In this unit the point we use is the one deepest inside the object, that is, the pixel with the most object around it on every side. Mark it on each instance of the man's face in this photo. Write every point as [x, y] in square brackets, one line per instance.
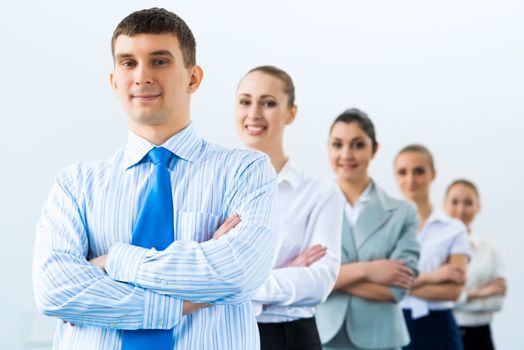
[151, 80]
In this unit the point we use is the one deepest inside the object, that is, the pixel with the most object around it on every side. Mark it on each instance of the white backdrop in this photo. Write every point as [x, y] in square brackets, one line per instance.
[448, 74]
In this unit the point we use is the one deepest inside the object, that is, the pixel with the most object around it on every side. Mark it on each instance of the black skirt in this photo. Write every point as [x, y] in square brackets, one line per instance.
[477, 338]
[295, 335]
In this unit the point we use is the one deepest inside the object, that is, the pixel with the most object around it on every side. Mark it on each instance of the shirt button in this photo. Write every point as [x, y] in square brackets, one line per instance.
[163, 283]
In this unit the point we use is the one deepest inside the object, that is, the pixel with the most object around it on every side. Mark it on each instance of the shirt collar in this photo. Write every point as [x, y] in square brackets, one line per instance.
[365, 196]
[473, 239]
[185, 144]
[290, 174]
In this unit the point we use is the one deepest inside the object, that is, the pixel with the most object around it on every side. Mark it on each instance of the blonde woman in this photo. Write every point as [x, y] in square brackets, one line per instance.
[308, 254]
[485, 286]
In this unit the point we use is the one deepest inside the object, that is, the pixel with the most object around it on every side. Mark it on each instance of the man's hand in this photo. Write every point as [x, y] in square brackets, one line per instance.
[190, 307]
[308, 256]
[227, 226]
[392, 273]
[99, 261]
[449, 273]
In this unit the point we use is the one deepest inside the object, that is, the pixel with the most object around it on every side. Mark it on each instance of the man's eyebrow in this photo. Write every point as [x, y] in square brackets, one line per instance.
[162, 53]
[123, 55]
[154, 53]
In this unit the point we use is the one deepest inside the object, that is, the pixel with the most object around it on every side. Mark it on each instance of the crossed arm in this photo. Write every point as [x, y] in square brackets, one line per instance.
[372, 279]
[446, 283]
[385, 280]
[69, 287]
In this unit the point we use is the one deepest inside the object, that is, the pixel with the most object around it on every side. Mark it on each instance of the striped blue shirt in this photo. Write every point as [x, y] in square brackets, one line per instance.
[90, 212]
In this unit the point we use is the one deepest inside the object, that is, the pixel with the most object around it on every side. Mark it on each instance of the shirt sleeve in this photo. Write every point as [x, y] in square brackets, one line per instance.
[497, 260]
[407, 249]
[460, 244]
[490, 304]
[68, 287]
[227, 270]
[309, 286]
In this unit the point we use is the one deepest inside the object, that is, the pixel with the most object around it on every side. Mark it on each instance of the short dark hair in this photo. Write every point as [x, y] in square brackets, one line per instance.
[158, 21]
[356, 115]
[289, 87]
[464, 182]
[419, 149]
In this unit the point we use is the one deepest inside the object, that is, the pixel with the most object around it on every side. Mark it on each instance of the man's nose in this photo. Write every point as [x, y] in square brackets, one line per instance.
[143, 76]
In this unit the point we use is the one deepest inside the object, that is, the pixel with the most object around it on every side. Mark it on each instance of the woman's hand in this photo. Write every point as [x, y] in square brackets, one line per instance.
[448, 273]
[390, 273]
[308, 256]
[227, 226]
[495, 287]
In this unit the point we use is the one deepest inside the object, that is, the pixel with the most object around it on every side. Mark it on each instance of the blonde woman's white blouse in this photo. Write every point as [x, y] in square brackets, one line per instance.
[485, 266]
[311, 212]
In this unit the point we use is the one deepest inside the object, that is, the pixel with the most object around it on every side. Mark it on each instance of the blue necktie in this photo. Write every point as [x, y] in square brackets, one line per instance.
[154, 229]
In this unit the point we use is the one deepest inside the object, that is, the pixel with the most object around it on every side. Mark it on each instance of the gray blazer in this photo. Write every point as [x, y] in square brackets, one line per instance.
[386, 229]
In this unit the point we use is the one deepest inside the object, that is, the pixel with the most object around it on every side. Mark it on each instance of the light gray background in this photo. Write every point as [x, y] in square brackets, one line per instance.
[448, 74]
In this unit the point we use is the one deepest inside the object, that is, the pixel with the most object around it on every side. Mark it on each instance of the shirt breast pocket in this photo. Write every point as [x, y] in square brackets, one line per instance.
[195, 226]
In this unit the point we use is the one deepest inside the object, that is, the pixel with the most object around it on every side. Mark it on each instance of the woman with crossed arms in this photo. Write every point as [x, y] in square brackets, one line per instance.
[308, 254]
[444, 255]
[379, 248]
[485, 286]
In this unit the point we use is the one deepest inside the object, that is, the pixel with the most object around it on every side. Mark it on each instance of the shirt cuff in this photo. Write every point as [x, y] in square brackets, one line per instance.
[123, 261]
[398, 293]
[161, 311]
[463, 298]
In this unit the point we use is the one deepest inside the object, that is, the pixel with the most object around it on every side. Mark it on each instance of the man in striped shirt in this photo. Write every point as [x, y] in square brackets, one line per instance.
[85, 270]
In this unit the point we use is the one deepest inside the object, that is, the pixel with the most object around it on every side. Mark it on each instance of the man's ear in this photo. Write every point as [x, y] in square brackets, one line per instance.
[197, 74]
[112, 81]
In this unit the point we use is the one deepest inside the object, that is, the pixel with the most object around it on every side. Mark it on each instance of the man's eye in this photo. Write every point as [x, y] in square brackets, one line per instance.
[244, 102]
[128, 63]
[161, 62]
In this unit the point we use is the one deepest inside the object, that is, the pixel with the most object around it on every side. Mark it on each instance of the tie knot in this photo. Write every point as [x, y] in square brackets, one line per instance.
[160, 155]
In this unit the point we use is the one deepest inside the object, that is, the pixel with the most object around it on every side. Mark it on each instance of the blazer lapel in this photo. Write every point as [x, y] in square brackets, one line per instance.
[373, 216]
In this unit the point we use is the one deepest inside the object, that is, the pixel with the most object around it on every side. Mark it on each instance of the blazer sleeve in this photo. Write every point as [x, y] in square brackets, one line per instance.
[407, 248]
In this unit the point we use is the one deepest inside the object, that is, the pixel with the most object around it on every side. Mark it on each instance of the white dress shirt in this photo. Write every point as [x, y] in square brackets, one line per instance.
[90, 212]
[310, 213]
[440, 237]
[484, 267]
[353, 212]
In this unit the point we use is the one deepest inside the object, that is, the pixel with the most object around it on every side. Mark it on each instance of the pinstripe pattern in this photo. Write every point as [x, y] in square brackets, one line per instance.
[90, 212]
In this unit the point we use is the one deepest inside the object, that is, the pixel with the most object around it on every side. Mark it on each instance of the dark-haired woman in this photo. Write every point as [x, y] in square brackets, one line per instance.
[443, 259]
[379, 248]
[308, 253]
[485, 285]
